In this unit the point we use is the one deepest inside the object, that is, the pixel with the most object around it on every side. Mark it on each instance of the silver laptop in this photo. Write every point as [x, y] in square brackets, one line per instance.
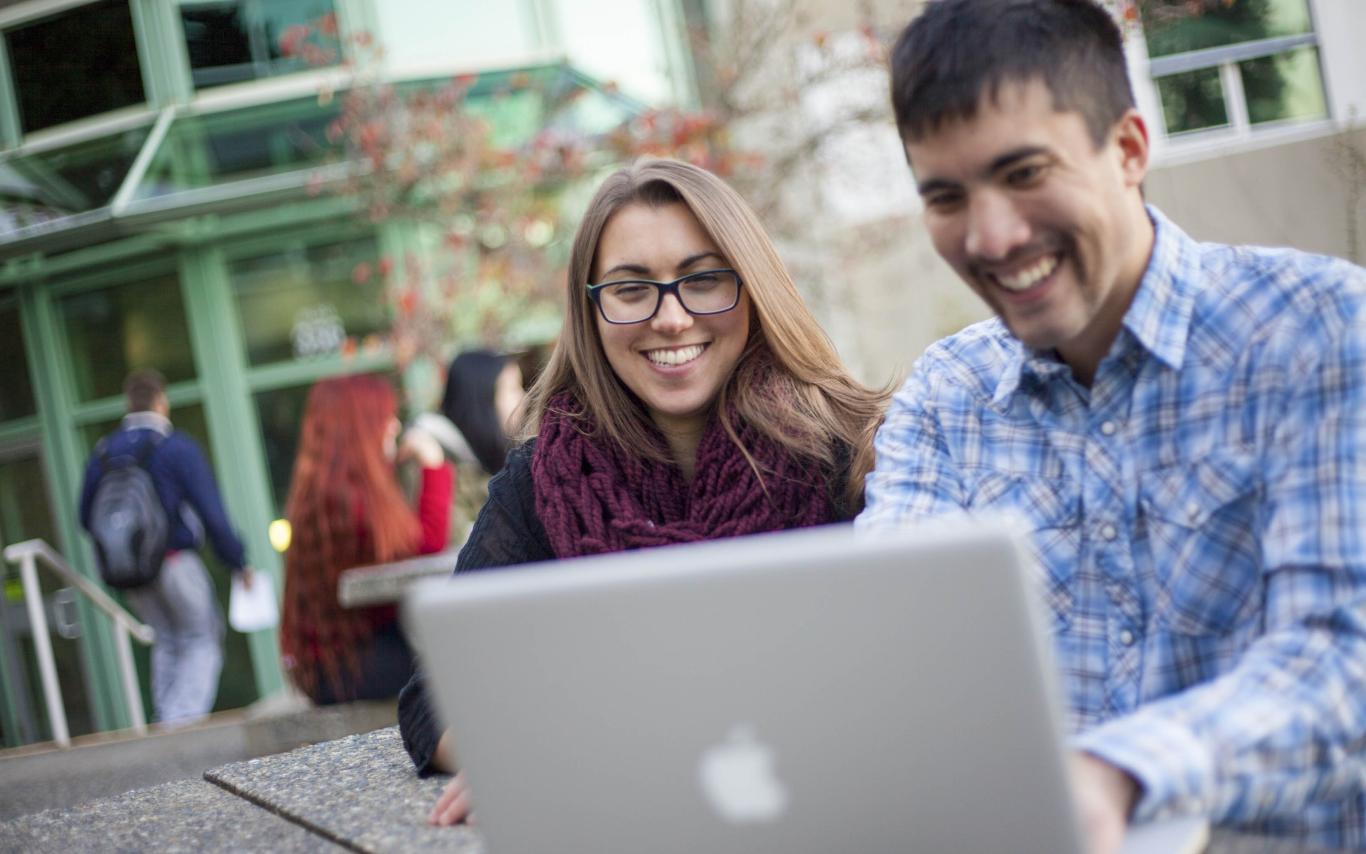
[810, 691]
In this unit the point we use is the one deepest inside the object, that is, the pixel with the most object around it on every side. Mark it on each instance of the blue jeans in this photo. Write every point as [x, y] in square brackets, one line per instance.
[187, 654]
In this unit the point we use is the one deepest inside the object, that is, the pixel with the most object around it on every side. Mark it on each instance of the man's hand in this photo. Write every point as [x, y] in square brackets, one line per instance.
[453, 806]
[247, 577]
[1105, 797]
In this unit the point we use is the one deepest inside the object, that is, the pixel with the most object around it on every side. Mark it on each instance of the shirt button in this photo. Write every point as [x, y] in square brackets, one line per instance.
[1108, 532]
[1126, 637]
[1108, 428]
[1192, 510]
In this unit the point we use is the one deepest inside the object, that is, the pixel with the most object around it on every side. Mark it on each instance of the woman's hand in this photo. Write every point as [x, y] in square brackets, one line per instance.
[418, 444]
[453, 807]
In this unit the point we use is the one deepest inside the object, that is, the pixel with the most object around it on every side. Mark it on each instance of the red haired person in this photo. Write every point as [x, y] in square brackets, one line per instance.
[347, 509]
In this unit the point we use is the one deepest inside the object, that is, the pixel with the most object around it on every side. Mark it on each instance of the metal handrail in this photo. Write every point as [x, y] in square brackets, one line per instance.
[27, 555]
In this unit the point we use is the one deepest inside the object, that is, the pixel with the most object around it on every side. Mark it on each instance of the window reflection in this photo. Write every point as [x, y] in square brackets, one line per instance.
[281, 412]
[48, 185]
[200, 151]
[25, 513]
[1169, 26]
[230, 41]
[310, 301]
[75, 64]
[16, 390]
[114, 331]
[1284, 87]
[1193, 101]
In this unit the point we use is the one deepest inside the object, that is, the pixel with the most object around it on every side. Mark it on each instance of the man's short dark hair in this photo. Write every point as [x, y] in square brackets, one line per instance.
[958, 51]
[142, 388]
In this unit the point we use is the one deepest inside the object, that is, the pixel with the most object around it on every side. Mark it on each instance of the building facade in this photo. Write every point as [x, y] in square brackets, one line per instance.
[159, 165]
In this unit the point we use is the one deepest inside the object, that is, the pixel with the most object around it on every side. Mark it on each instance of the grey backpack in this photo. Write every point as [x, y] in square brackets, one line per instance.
[127, 520]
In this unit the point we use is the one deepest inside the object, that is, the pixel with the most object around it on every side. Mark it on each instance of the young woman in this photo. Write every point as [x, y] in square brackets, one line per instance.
[691, 396]
[346, 509]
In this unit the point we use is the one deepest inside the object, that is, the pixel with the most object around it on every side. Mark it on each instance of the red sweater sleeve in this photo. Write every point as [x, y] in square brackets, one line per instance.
[434, 507]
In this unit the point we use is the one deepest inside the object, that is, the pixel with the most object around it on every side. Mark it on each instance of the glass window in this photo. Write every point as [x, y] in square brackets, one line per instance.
[310, 300]
[281, 412]
[16, 390]
[113, 331]
[75, 64]
[201, 151]
[472, 34]
[52, 184]
[1169, 27]
[1261, 52]
[25, 513]
[1287, 86]
[230, 41]
[1193, 101]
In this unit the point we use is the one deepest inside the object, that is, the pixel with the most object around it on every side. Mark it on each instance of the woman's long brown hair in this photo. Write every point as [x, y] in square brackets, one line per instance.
[789, 383]
[346, 509]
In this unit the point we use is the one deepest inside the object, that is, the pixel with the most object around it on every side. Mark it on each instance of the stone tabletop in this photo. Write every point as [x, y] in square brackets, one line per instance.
[357, 793]
[187, 817]
[360, 790]
[383, 583]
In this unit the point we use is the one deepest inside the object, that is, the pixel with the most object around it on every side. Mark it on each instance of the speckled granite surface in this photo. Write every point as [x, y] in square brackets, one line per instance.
[187, 817]
[43, 777]
[357, 793]
[360, 789]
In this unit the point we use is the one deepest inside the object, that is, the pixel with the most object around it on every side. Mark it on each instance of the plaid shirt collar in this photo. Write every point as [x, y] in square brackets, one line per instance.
[1158, 319]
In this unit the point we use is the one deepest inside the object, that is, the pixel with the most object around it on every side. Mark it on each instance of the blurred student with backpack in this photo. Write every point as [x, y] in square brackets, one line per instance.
[148, 499]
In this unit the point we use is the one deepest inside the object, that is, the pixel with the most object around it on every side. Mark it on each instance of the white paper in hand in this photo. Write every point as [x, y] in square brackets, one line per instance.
[255, 609]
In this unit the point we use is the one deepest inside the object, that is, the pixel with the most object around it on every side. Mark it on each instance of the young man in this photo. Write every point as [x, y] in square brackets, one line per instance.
[1183, 426]
[180, 605]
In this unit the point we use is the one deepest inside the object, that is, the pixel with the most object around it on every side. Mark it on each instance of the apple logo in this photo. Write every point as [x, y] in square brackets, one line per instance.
[737, 778]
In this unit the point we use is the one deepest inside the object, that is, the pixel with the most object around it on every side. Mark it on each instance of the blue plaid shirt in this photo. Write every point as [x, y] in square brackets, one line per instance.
[1199, 519]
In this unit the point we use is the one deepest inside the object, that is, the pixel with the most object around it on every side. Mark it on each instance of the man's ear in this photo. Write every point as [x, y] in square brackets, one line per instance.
[1130, 135]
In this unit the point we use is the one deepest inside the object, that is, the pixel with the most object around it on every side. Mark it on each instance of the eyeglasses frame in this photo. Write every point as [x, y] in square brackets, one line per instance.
[663, 289]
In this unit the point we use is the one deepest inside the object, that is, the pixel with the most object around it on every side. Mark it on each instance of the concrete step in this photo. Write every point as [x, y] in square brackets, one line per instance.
[187, 817]
[42, 777]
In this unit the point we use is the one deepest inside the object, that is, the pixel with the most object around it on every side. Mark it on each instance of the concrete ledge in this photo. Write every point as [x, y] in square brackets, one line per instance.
[42, 777]
[360, 791]
[191, 816]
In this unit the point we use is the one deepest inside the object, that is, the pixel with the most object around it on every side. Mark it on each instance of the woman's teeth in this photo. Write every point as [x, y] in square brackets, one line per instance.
[675, 356]
[1029, 276]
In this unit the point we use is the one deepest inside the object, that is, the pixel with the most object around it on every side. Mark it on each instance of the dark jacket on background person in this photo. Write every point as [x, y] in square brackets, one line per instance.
[183, 480]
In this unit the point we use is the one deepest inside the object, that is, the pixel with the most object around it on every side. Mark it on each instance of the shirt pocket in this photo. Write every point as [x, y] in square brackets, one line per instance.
[1051, 508]
[1201, 527]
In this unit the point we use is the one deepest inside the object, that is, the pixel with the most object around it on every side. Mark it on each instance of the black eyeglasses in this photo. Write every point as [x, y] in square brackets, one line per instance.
[638, 300]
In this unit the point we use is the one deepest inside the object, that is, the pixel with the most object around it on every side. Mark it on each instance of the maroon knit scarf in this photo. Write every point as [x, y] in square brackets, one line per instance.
[592, 496]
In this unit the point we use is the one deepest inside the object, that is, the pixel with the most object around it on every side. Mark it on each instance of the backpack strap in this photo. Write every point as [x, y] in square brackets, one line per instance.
[144, 455]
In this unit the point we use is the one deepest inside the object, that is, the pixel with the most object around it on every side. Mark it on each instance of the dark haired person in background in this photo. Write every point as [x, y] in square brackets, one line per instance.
[1182, 425]
[180, 605]
[482, 400]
